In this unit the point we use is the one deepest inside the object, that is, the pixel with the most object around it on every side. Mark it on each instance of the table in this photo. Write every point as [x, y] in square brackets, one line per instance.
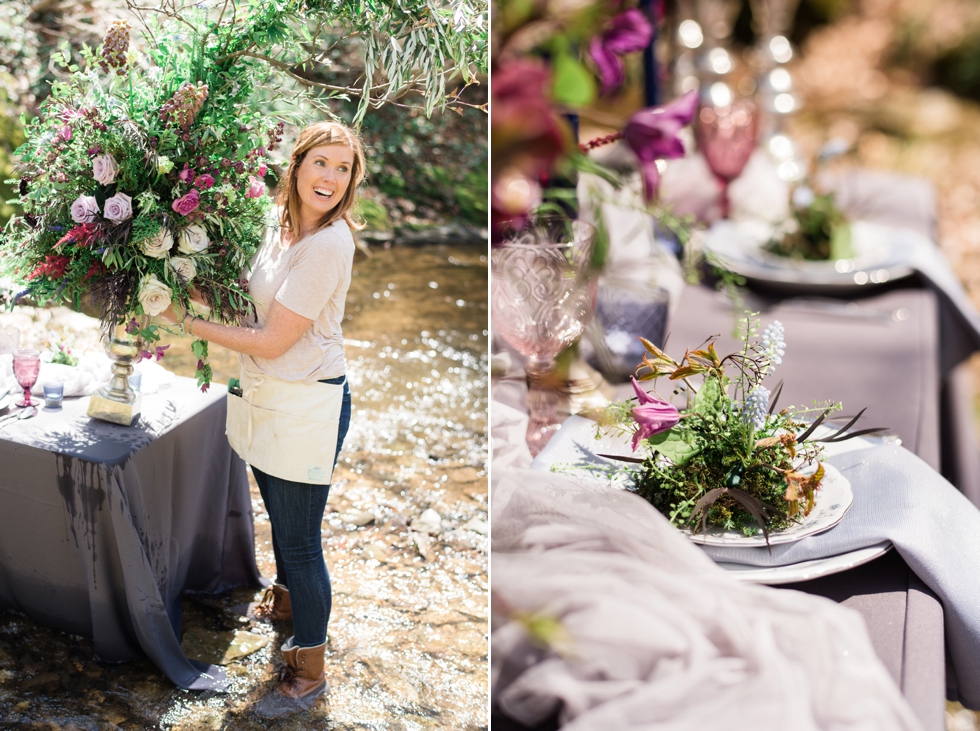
[104, 527]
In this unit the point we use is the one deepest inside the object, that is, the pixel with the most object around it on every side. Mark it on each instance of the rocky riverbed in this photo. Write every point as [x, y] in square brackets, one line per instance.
[405, 536]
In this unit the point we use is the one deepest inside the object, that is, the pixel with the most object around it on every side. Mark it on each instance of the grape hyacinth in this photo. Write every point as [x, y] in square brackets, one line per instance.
[756, 407]
[773, 345]
[114, 47]
[181, 109]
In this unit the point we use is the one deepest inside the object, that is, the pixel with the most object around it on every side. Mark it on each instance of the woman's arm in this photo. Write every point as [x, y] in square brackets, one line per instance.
[282, 329]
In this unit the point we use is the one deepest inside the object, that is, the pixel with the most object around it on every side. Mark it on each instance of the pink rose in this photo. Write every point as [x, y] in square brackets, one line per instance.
[204, 181]
[119, 208]
[104, 169]
[84, 209]
[187, 174]
[262, 170]
[65, 133]
[188, 203]
[256, 187]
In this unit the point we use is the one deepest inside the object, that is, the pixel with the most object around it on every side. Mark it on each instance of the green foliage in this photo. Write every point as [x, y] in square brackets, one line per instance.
[818, 231]
[437, 164]
[726, 462]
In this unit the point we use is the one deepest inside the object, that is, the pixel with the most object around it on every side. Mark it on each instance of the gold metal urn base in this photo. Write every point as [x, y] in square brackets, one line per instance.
[117, 402]
[102, 406]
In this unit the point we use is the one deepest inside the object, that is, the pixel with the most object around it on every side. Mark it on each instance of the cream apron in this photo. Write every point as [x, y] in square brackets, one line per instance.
[285, 428]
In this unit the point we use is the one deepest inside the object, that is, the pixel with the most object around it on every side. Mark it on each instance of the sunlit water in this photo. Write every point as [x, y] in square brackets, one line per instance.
[408, 632]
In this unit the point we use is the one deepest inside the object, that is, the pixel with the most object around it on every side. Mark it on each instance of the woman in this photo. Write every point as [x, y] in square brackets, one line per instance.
[294, 389]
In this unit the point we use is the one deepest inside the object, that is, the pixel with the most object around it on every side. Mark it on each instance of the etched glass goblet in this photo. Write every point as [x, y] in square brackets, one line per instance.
[727, 135]
[543, 288]
[27, 365]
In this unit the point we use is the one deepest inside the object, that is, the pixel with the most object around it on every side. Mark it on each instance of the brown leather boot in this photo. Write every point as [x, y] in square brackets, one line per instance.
[301, 682]
[274, 606]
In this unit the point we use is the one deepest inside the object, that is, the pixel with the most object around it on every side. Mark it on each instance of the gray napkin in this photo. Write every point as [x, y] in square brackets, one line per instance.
[898, 497]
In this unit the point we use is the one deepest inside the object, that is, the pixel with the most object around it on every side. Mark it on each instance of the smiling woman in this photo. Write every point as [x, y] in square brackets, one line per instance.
[291, 413]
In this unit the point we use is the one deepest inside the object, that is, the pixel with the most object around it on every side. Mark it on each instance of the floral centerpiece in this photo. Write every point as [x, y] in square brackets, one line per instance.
[816, 229]
[727, 458]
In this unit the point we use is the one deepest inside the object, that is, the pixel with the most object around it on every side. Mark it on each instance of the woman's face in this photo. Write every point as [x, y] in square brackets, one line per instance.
[322, 179]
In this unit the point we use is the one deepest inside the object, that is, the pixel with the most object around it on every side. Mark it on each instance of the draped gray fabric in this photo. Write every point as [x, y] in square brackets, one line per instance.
[104, 527]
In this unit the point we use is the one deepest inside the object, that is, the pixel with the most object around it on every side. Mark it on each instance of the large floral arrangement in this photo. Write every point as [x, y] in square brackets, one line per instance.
[141, 180]
[727, 458]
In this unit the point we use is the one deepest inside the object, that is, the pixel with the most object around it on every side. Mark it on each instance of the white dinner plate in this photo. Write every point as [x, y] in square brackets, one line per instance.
[5, 400]
[832, 500]
[805, 570]
[882, 254]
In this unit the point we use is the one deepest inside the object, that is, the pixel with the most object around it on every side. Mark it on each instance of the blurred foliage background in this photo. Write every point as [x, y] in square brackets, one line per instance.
[422, 171]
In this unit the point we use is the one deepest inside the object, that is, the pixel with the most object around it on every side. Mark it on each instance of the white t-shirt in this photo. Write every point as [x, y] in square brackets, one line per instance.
[310, 278]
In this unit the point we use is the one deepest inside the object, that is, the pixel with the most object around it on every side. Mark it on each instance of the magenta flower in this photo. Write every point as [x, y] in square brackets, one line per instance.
[187, 204]
[263, 169]
[256, 187]
[64, 134]
[652, 415]
[652, 134]
[630, 31]
[161, 350]
[203, 181]
[187, 174]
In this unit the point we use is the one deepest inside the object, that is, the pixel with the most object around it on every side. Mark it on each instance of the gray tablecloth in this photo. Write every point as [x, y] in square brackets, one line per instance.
[104, 527]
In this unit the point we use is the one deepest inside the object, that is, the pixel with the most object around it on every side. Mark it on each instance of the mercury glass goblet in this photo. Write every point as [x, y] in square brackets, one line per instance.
[542, 293]
[726, 136]
[27, 365]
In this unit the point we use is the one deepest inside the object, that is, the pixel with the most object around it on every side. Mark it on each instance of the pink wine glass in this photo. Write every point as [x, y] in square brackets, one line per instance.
[27, 364]
[727, 136]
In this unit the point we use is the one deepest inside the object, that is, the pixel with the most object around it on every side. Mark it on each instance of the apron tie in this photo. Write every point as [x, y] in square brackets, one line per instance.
[247, 395]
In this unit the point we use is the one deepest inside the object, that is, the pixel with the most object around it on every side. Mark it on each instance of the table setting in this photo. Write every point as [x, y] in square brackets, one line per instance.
[104, 526]
[735, 221]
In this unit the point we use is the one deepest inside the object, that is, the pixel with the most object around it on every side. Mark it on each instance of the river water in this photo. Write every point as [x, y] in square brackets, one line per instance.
[405, 537]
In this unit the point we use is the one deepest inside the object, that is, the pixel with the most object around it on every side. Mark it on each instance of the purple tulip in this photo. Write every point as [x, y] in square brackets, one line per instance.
[630, 31]
[652, 134]
[652, 415]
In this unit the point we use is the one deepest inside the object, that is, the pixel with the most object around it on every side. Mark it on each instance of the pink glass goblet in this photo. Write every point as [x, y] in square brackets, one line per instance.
[543, 287]
[27, 364]
[727, 136]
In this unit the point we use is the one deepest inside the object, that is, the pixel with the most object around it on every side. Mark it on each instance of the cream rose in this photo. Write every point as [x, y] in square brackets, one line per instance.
[184, 267]
[193, 240]
[155, 296]
[158, 245]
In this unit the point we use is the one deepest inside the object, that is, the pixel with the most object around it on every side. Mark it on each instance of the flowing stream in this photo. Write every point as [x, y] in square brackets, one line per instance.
[405, 537]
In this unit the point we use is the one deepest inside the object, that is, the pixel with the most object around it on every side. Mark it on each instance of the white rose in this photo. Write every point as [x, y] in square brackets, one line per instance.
[193, 240]
[184, 267]
[158, 245]
[155, 296]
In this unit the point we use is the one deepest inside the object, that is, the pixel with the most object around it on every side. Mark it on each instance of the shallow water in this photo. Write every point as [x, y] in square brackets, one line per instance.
[408, 632]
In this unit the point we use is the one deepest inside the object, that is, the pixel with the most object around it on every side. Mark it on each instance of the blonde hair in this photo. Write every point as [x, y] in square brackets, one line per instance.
[316, 135]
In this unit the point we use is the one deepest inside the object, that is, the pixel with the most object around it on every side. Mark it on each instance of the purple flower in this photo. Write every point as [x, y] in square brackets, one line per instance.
[187, 174]
[132, 326]
[161, 349]
[104, 169]
[64, 134]
[84, 209]
[187, 204]
[652, 134]
[630, 31]
[145, 355]
[203, 181]
[652, 415]
[119, 208]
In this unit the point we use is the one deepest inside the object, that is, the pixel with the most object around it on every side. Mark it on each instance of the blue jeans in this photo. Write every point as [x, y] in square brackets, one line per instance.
[296, 513]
